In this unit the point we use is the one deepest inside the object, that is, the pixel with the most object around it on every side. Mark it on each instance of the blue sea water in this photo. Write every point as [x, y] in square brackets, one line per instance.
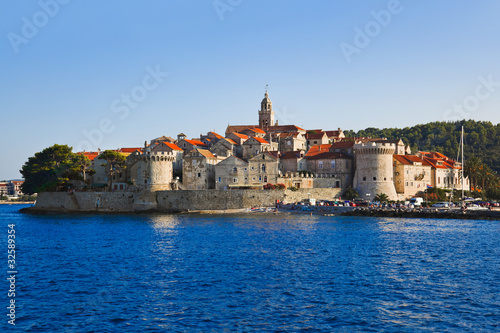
[251, 273]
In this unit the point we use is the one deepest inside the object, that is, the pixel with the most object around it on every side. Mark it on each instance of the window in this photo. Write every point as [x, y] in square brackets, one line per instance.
[439, 180]
[374, 178]
[265, 179]
[219, 179]
[332, 164]
[235, 170]
[364, 178]
[320, 165]
[199, 175]
[235, 180]
[263, 168]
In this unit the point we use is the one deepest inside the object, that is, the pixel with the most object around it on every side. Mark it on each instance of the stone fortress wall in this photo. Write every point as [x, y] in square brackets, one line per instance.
[173, 201]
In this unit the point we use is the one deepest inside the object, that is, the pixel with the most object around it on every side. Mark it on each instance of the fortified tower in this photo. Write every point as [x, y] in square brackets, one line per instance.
[266, 113]
[374, 170]
[152, 171]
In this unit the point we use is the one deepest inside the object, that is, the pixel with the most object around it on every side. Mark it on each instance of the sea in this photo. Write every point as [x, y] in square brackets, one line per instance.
[248, 273]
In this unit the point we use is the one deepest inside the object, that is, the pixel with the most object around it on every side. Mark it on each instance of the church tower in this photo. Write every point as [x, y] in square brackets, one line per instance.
[266, 113]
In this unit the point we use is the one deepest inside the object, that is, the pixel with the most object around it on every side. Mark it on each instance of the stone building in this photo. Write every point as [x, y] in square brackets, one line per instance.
[325, 163]
[251, 132]
[263, 169]
[446, 172]
[411, 175]
[188, 145]
[163, 138]
[316, 138]
[224, 148]
[374, 170]
[198, 170]
[292, 161]
[231, 173]
[293, 141]
[254, 146]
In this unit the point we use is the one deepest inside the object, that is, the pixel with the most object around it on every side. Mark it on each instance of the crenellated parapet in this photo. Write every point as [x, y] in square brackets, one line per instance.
[155, 157]
[375, 148]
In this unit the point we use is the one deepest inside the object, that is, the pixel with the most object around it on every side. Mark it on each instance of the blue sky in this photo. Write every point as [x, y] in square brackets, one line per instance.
[190, 66]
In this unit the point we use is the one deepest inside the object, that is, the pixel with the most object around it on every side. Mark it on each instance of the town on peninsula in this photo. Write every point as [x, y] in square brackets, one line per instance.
[257, 165]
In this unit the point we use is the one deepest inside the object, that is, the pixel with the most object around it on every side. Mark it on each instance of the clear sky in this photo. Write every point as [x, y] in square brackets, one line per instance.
[112, 74]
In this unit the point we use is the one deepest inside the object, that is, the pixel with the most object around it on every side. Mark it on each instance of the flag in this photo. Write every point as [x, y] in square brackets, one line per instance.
[429, 186]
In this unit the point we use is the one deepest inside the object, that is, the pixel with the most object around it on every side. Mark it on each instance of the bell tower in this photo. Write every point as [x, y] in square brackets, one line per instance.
[266, 113]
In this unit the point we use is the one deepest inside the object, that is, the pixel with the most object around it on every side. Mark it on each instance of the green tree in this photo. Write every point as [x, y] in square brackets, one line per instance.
[49, 170]
[84, 163]
[115, 163]
[382, 197]
[350, 193]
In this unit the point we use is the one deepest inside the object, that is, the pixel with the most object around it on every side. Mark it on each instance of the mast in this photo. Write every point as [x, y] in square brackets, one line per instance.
[462, 170]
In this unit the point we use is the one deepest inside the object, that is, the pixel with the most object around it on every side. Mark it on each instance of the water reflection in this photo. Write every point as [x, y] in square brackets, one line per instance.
[165, 223]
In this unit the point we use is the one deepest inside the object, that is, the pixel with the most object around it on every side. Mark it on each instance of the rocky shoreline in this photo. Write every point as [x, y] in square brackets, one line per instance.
[426, 213]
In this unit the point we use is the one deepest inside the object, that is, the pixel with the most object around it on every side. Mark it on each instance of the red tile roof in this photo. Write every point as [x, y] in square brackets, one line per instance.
[196, 143]
[331, 134]
[343, 144]
[409, 159]
[90, 154]
[218, 136]
[206, 153]
[172, 146]
[231, 141]
[257, 130]
[128, 150]
[290, 134]
[315, 136]
[284, 128]
[238, 128]
[241, 136]
[261, 140]
[325, 156]
[319, 149]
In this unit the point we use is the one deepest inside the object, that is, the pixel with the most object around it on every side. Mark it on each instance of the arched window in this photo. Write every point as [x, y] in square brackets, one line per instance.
[263, 168]
[265, 179]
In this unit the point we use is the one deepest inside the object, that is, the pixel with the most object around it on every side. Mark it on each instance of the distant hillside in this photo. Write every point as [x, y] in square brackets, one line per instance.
[482, 139]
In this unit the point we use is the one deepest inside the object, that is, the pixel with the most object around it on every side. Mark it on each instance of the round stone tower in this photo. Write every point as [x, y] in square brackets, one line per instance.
[152, 171]
[374, 170]
[160, 171]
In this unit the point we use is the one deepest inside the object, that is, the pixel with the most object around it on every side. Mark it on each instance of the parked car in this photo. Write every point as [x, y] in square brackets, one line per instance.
[416, 201]
[441, 205]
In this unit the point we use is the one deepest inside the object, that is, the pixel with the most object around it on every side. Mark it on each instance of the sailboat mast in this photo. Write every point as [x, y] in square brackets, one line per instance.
[462, 170]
